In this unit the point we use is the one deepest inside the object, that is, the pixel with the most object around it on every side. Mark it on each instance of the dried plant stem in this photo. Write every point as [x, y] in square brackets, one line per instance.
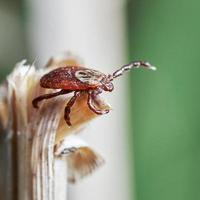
[43, 155]
[36, 157]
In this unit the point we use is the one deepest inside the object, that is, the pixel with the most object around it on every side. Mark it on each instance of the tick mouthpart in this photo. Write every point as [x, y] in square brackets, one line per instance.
[107, 85]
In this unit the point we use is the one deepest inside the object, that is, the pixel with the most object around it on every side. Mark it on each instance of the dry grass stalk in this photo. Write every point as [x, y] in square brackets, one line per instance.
[38, 150]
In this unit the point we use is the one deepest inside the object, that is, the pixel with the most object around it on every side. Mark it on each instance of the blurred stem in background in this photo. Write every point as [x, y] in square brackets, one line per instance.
[165, 104]
[95, 31]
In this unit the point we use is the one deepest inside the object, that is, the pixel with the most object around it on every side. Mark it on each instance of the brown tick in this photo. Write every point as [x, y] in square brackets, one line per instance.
[80, 79]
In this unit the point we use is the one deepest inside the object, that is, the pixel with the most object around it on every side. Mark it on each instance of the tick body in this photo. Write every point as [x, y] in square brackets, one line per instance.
[79, 79]
[73, 78]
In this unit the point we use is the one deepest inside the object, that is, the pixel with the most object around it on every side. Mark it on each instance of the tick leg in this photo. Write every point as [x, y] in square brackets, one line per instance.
[131, 65]
[48, 96]
[68, 107]
[92, 97]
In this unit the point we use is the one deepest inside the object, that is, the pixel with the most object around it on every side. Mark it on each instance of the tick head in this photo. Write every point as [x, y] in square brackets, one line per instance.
[107, 84]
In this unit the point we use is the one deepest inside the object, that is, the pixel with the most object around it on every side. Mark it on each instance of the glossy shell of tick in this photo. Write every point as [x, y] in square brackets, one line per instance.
[72, 78]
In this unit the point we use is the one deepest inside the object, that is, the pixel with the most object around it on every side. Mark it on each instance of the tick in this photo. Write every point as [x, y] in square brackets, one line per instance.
[79, 79]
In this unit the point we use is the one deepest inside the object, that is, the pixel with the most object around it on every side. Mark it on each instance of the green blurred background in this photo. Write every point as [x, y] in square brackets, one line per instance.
[165, 104]
[165, 108]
